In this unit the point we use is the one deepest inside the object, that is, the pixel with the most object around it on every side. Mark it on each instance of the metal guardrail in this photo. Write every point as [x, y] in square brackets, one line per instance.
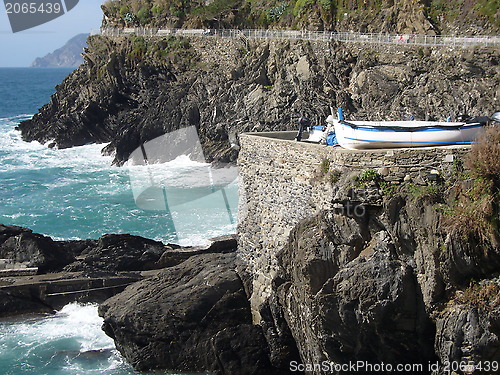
[349, 37]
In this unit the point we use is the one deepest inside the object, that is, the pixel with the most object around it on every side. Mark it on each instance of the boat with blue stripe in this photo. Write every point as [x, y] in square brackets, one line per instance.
[358, 135]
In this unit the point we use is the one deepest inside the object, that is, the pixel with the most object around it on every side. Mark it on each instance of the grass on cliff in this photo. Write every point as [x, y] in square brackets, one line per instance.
[325, 172]
[484, 295]
[175, 50]
[475, 211]
[371, 176]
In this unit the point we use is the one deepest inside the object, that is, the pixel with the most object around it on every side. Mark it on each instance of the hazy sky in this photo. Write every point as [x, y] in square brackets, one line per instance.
[20, 49]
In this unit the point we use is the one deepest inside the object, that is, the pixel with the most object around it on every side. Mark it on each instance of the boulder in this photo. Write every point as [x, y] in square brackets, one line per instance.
[7, 231]
[119, 252]
[190, 317]
[24, 302]
[346, 295]
[468, 335]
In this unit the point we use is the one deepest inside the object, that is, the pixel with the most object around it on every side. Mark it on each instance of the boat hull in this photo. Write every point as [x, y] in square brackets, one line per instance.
[401, 134]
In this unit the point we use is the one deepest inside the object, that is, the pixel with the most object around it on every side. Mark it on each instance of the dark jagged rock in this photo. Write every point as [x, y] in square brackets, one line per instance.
[37, 251]
[468, 335]
[125, 252]
[377, 321]
[78, 247]
[191, 317]
[82, 270]
[7, 231]
[365, 302]
[243, 350]
[119, 252]
[461, 261]
[12, 304]
[109, 254]
[175, 254]
[279, 338]
[371, 288]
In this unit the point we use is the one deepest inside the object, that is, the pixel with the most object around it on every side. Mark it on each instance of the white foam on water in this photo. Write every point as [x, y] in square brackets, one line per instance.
[70, 188]
[86, 158]
[18, 154]
[77, 321]
[17, 118]
[69, 342]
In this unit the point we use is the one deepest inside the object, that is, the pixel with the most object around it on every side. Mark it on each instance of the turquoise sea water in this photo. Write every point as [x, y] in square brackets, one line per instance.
[76, 194]
[70, 342]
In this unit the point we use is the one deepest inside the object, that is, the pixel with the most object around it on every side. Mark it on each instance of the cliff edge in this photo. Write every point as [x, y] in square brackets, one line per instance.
[385, 259]
[131, 90]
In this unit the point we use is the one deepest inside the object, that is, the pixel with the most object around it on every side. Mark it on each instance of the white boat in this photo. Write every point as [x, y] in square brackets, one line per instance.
[357, 135]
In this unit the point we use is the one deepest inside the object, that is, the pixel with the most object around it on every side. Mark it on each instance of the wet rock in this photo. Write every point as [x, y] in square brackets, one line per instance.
[7, 231]
[12, 304]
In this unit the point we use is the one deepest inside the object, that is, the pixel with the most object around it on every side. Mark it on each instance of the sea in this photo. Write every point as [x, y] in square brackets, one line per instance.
[77, 193]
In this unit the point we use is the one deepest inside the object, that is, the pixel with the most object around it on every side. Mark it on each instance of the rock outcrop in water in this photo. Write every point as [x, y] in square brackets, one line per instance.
[191, 317]
[21, 245]
[39, 274]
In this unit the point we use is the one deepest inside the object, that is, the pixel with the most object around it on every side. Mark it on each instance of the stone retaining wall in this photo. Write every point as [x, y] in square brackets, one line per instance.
[283, 182]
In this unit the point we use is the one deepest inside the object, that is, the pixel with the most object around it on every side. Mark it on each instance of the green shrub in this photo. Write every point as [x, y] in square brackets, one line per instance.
[300, 5]
[325, 166]
[124, 10]
[139, 48]
[488, 9]
[275, 13]
[369, 175]
[432, 192]
[144, 16]
[156, 9]
[334, 176]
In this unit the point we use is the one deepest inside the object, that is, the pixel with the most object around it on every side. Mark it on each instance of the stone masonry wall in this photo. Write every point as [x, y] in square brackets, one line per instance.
[281, 183]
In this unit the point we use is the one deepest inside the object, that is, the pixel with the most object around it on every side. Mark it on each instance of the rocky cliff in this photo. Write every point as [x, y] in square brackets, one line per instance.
[369, 260]
[342, 256]
[131, 90]
[407, 16]
[373, 258]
